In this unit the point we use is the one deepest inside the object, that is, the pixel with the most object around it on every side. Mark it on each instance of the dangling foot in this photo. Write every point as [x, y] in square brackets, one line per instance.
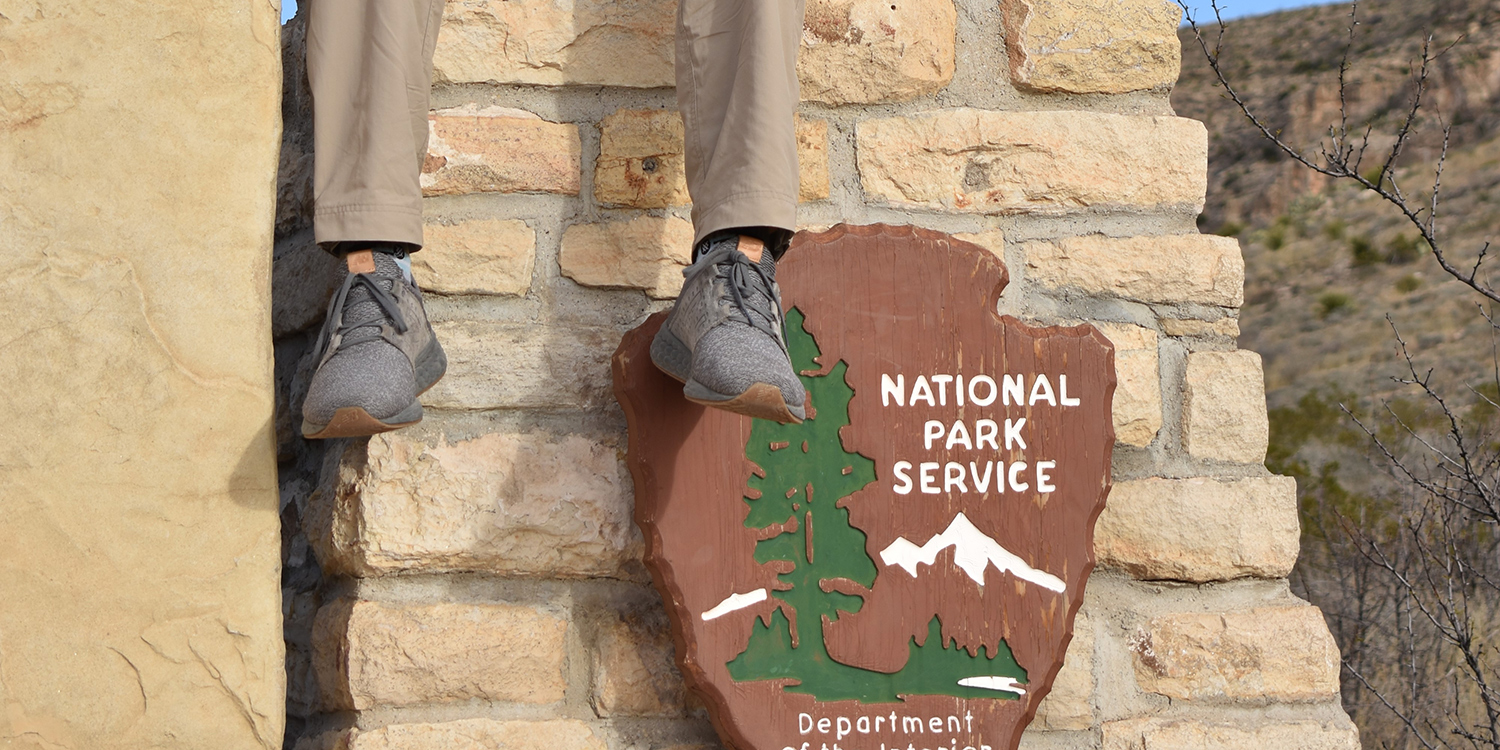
[376, 354]
[724, 339]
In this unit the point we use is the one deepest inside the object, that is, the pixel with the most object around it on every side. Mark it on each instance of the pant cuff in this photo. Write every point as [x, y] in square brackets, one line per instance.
[367, 224]
[754, 209]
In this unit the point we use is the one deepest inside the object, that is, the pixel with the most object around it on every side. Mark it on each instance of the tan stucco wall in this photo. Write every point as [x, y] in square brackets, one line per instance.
[139, 545]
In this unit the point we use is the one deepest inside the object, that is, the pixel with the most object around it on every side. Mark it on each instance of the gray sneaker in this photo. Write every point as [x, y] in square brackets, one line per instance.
[724, 339]
[377, 353]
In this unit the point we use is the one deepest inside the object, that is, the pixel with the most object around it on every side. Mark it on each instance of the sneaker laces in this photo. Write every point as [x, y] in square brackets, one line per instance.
[384, 308]
[747, 279]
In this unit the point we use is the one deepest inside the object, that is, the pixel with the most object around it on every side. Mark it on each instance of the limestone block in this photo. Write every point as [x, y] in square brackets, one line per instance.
[1168, 269]
[866, 51]
[495, 365]
[507, 503]
[634, 674]
[812, 160]
[1186, 734]
[1200, 529]
[1228, 327]
[1048, 163]
[556, 42]
[1268, 653]
[466, 734]
[413, 654]
[642, 253]
[1224, 407]
[992, 240]
[140, 574]
[1137, 405]
[479, 256]
[1070, 705]
[500, 150]
[1092, 46]
[641, 159]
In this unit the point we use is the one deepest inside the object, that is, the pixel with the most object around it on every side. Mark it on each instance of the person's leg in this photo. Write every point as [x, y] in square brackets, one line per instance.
[370, 63]
[737, 90]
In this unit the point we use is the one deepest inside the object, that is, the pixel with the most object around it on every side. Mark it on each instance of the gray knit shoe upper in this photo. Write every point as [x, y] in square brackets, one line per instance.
[377, 352]
[724, 339]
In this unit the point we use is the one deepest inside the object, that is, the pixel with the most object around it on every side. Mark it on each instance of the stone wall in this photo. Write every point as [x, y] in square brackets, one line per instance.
[476, 582]
[139, 603]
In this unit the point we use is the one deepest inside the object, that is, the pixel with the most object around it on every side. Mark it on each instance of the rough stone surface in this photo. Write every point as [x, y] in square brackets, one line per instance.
[1070, 705]
[865, 51]
[551, 367]
[1137, 405]
[554, 42]
[642, 253]
[480, 256]
[411, 654]
[1200, 529]
[641, 163]
[140, 573]
[524, 503]
[1092, 47]
[1167, 734]
[1224, 407]
[1169, 269]
[466, 734]
[1188, 327]
[303, 278]
[634, 674]
[500, 150]
[1269, 653]
[1049, 163]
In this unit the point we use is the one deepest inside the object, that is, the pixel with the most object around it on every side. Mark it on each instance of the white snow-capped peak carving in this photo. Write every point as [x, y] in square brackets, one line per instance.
[973, 551]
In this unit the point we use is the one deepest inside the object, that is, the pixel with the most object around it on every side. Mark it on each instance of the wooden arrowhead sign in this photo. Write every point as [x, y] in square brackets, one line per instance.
[902, 570]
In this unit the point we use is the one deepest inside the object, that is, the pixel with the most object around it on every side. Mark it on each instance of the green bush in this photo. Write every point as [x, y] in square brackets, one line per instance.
[1408, 284]
[1363, 251]
[1334, 230]
[1332, 302]
[1405, 249]
[1230, 229]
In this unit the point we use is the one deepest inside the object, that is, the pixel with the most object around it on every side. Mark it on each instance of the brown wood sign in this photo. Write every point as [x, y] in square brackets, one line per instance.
[901, 570]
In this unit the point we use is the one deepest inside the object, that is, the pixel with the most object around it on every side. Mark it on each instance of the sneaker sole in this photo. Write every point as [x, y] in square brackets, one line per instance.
[761, 401]
[354, 421]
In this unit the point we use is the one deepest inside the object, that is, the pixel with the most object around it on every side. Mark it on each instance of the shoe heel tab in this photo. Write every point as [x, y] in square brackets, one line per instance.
[360, 261]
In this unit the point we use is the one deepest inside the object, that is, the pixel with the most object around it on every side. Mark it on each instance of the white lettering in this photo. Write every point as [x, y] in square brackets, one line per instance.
[1043, 479]
[1015, 484]
[1012, 386]
[804, 723]
[824, 724]
[958, 389]
[942, 382]
[987, 400]
[844, 728]
[1041, 390]
[892, 388]
[953, 476]
[959, 435]
[929, 482]
[921, 390]
[903, 480]
[985, 431]
[1013, 433]
[982, 484]
[1062, 389]
[933, 430]
[863, 725]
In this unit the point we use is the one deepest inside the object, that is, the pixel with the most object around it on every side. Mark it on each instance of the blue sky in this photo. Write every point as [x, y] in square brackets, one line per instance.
[1231, 8]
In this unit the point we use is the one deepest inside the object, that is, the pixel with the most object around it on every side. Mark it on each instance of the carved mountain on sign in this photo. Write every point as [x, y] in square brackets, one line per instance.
[973, 552]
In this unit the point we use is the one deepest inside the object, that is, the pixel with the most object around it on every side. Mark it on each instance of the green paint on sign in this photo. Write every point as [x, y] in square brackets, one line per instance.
[807, 472]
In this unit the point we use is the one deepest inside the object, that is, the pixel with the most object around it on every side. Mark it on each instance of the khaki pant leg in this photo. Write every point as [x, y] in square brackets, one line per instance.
[370, 66]
[738, 93]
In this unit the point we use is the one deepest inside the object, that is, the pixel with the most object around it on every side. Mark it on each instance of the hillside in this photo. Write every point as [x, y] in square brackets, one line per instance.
[1326, 264]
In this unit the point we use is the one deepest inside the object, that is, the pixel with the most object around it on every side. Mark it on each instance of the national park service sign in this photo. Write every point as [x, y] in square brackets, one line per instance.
[900, 571]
